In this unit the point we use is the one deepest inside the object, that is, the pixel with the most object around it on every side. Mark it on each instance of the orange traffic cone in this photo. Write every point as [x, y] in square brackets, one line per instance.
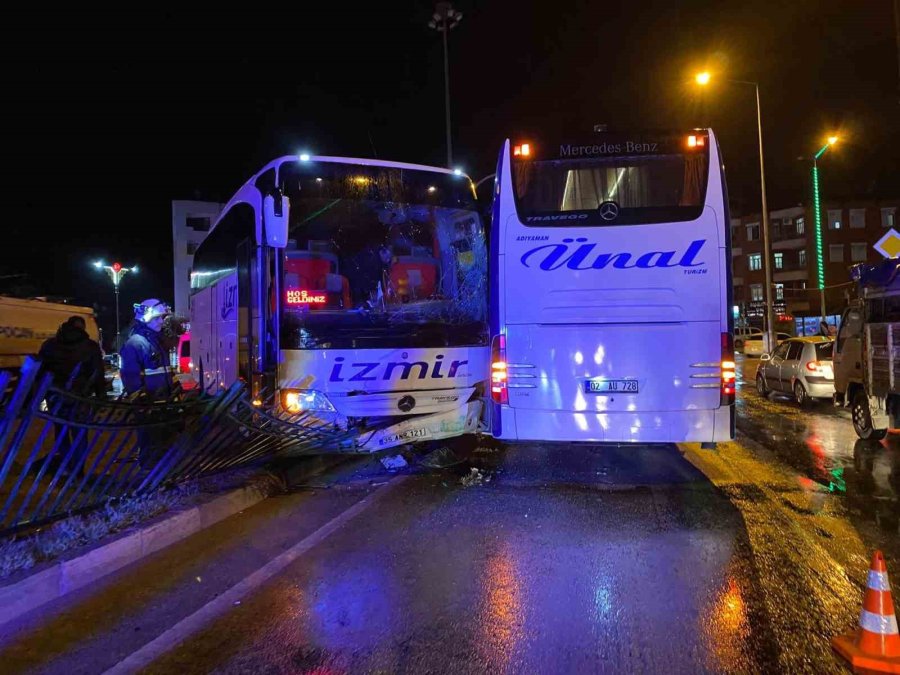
[876, 644]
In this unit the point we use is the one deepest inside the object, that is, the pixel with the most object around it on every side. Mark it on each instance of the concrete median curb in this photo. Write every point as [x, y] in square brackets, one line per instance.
[65, 576]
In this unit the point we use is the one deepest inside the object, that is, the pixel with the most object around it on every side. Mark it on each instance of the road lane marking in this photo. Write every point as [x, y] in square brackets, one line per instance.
[182, 630]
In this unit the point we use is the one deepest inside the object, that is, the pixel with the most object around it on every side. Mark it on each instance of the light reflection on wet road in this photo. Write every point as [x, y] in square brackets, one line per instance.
[818, 442]
[612, 560]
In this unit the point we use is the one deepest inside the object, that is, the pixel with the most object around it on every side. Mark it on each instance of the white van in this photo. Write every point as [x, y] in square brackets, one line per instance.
[743, 334]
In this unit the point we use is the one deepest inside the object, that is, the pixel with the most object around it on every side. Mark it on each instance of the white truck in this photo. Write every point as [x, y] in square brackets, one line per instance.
[867, 351]
[25, 324]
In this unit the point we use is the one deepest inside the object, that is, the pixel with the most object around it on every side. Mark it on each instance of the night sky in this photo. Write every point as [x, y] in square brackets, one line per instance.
[108, 118]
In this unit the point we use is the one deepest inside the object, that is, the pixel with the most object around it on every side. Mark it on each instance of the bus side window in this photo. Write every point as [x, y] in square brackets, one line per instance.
[851, 327]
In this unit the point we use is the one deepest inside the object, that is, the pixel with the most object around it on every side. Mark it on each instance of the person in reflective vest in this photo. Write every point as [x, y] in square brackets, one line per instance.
[145, 360]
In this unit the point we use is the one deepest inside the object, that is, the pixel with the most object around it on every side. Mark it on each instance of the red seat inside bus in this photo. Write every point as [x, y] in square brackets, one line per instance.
[305, 270]
[414, 276]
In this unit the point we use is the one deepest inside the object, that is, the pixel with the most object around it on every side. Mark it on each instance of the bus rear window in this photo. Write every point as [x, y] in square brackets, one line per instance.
[643, 188]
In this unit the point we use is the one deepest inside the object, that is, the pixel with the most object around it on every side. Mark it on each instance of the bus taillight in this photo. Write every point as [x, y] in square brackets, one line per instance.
[522, 150]
[694, 141]
[499, 375]
[729, 376]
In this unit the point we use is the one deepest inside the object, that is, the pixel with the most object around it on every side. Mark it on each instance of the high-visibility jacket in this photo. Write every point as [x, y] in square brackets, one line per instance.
[145, 363]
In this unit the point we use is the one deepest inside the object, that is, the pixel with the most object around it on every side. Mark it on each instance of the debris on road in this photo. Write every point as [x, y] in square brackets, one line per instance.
[475, 477]
[441, 458]
[394, 463]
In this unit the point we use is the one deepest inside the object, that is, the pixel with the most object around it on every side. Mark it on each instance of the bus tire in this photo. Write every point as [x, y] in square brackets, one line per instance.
[862, 419]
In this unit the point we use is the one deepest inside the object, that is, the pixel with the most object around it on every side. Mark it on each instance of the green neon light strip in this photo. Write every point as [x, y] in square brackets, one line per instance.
[820, 261]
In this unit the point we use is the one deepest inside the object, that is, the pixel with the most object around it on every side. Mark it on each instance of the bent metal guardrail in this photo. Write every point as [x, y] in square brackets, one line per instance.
[61, 453]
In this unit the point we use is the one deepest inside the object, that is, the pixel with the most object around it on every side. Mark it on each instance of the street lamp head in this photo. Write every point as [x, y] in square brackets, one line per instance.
[702, 78]
[98, 264]
[832, 140]
[457, 172]
[134, 269]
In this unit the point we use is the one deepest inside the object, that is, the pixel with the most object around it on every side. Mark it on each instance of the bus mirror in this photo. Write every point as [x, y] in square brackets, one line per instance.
[276, 212]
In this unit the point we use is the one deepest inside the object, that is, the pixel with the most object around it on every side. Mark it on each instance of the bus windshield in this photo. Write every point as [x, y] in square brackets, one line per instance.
[661, 185]
[381, 257]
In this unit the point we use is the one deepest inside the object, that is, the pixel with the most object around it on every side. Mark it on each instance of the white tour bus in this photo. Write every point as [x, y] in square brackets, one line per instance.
[356, 289]
[611, 286]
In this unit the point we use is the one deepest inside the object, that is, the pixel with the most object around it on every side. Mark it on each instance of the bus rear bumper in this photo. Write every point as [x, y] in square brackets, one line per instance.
[684, 426]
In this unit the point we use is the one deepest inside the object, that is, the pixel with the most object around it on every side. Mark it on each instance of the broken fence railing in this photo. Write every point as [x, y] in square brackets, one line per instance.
[61, 453]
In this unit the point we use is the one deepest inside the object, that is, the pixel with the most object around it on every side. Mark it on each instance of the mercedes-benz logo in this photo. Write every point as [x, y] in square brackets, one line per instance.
[609, 210]
[406, 403]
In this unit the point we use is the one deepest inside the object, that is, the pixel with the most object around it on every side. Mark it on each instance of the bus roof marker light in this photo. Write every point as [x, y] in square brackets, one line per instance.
[304, 156]
[522, 150]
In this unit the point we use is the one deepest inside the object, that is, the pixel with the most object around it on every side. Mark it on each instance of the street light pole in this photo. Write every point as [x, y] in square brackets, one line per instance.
[704, 79]
[817, 205]
[820, 262]
[115, 272]
[444, 19]
[767, 249]
[447, 98]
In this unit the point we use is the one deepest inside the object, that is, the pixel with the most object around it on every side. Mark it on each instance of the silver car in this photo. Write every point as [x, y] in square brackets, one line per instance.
[800, 367]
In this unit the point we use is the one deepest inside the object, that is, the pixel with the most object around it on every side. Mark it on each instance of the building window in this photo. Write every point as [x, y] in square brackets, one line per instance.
[753, 232]
[779, 261]
[801, 257]
[779, 291]
[756, 292]
[889, 217]
[198, 224]
[836, 252]
[800, 224]
[857, 218]
[754, 262]
[834, 219]
[859, 251]
[734, 232]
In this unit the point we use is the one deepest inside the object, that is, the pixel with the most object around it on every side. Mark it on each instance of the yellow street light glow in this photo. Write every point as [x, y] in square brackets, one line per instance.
[702, 78]
[832, 140]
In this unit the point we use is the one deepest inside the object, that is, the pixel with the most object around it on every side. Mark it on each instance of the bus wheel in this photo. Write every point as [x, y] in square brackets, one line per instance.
[862, 420]
[761, 386]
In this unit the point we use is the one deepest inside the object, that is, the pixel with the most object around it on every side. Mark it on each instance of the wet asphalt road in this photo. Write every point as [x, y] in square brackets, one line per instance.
[557, 560]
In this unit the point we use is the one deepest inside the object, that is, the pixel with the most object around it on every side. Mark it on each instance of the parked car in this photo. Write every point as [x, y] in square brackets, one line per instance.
[756, 346]
[801, 367]
[742, 334]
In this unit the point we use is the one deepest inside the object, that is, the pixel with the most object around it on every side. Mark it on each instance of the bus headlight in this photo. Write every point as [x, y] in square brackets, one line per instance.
[305, 400]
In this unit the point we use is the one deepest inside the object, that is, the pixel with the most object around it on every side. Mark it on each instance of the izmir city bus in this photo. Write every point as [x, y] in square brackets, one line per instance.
[610, 313]
[356, 289]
